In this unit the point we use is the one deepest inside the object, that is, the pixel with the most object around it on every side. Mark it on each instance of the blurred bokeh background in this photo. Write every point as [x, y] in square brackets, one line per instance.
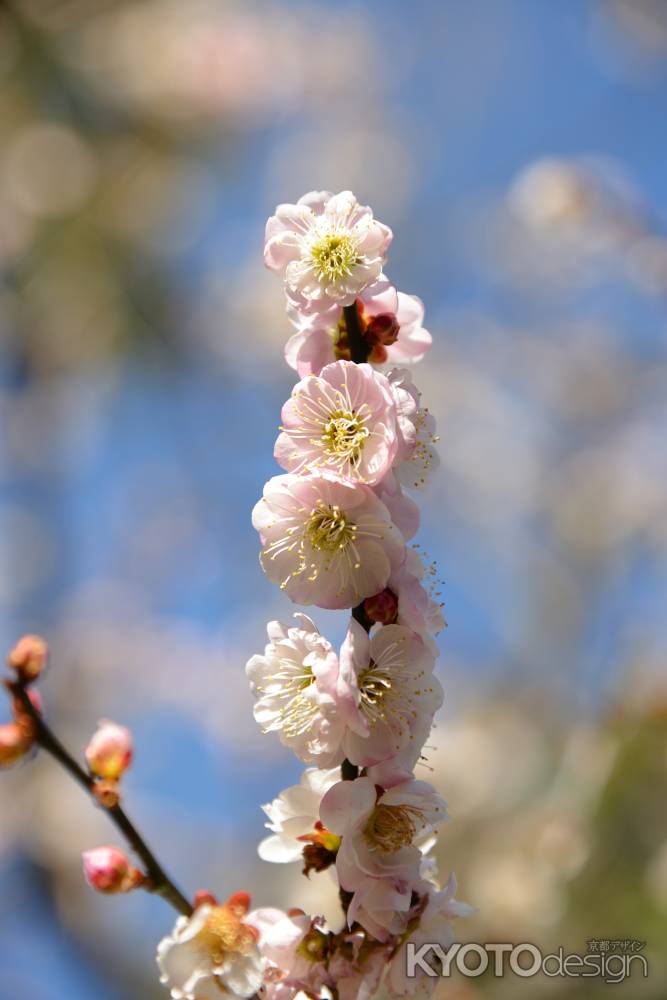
[517, 149]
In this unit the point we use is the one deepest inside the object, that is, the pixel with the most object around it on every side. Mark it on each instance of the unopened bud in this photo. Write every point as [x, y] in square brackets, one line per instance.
[382, 607]
[28, 657]
[382, 329]
[202, 897]
[109, 753]
[239, 904]
[14, 743]
[108, 870]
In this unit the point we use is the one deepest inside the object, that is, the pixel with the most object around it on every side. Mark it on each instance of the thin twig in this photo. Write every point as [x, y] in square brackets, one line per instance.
[158, 880]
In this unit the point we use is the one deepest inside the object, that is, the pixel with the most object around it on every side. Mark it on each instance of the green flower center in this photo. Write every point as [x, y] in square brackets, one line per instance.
[344, 435]
[334, 256]
[328, 529]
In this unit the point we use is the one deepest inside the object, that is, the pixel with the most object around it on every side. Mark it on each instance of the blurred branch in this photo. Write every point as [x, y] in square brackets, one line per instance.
[158, 880]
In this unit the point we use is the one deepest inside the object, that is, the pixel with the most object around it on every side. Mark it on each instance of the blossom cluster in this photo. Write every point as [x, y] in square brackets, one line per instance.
[334, 531]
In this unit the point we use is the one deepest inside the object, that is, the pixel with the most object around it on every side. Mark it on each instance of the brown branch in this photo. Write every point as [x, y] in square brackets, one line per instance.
[359, 346]
[158, 880]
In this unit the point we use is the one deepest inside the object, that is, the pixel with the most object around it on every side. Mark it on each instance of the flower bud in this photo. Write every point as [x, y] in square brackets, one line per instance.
[382, 607]
[109, 753]
[108, 870]
[203, 897]
[14, 743]
[238, 903]
[28, 657]
[382, 329]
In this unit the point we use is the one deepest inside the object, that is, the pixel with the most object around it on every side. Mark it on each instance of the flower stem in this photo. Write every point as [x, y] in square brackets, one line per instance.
[359, 346]
[158, 880]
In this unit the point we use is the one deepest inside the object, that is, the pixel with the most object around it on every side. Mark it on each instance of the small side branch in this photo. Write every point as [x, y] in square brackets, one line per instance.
[157, 879]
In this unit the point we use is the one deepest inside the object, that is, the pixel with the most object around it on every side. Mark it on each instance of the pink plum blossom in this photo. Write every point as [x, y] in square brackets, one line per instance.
[404, 511]
[417, 457]
[380, 832]
[396, 693]
[298, 690]
[325, 541]
[417, 608]
[327, 247]
[342, 421]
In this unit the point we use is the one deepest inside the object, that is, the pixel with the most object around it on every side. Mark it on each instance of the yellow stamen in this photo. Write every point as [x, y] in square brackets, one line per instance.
[334, 256]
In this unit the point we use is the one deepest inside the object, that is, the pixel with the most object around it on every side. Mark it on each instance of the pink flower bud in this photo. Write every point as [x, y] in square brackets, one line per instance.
[28, 657]
[14, 743]
[382, 329]
[108, 870]
[109, 753]
[203, 897]
[382, 607]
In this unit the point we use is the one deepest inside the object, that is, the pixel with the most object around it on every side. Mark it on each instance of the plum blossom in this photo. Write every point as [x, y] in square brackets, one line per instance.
[294, 817]
[342, 421]
[402, 508]
[379, 905]
[325, 541]
[327, 247]
[303, 958]
[380, 831]
[359, 977]
[298, 690]
[433, 926]
[406, 601]
[396, 693]
[294, 949]
[417, 457]
[417, 607]
[390, 321]
[212, 953]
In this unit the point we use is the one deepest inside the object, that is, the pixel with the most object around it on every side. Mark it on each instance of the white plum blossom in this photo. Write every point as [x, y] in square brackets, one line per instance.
[396, 692]
[342, 421]
[432, 926]
[380, 831]
[212, 954]
[327, 247]
[390, 323]
[294, 817]
[326, 541]
[299, 691]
